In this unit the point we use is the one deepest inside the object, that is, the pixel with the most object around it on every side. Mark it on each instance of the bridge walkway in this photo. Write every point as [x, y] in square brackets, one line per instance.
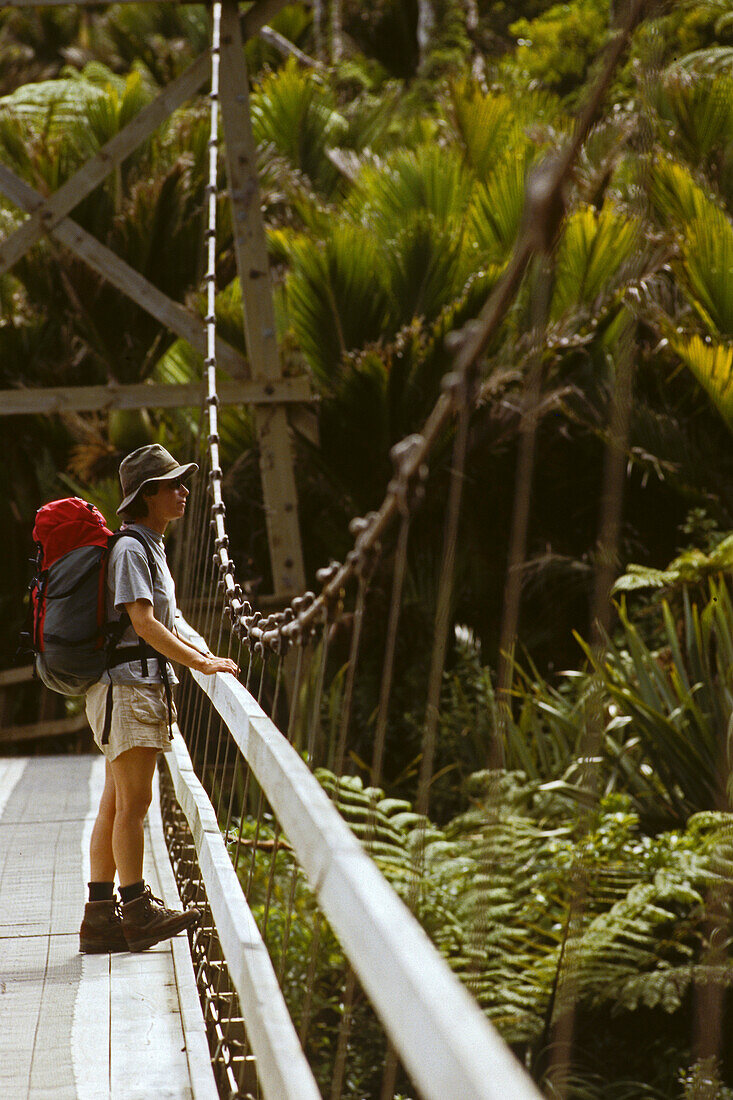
[84, 1027]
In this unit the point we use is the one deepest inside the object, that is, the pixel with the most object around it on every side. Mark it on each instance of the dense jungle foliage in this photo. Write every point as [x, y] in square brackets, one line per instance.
[394, 152]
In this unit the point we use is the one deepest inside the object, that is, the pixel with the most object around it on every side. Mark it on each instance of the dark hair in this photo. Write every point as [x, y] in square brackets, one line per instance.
[138, 507]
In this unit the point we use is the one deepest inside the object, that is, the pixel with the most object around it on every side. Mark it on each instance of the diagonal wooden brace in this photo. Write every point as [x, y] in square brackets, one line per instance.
[102, 260]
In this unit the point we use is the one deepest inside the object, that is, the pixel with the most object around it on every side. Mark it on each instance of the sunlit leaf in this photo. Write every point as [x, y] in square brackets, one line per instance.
[594, 249]
[496, 210]
[712, 365]
[296, 114]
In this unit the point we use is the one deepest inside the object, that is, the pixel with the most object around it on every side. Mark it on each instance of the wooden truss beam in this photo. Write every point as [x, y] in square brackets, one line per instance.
[80, 3]
[145, 395]
[263, 11]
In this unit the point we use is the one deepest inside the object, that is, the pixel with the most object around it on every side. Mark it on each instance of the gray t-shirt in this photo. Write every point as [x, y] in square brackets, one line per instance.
[129, 579]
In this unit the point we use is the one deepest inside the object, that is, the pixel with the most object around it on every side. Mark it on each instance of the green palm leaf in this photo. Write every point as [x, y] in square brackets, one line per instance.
[429, 179]
[677, 199]
[110, 113]
[160, 38]
[592, 257]
[705, 235]
[696, 113]
[296, 115]
[707, 270]
[496, 209]
[483, 124]
[423, 269]
[680, 712]
[712, 365]
[335, 299]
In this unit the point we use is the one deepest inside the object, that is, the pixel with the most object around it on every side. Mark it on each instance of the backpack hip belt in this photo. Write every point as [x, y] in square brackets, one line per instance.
[141, 652]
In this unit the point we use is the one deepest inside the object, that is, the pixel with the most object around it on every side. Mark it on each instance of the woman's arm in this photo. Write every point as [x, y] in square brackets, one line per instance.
[147, 627]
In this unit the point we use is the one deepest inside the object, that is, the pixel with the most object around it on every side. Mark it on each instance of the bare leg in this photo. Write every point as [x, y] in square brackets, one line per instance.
[101, 858]
[133, 772]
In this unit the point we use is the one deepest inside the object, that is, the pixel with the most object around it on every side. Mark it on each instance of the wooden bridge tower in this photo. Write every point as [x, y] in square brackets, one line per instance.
[259, 378]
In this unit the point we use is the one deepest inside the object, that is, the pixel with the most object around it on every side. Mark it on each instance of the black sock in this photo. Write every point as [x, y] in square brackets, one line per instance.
[101, 891]
[134, 890]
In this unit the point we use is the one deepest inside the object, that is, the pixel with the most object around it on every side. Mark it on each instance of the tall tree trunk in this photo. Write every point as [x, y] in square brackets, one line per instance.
[471, 16]
[337, 36]
[425, 25]
[478, 64]
[318, 29]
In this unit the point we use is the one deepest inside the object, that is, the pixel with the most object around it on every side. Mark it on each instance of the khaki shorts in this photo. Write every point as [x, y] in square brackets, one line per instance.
[139, 717]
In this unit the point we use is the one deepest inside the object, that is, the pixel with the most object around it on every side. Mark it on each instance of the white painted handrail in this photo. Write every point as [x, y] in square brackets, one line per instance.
[282, 1068]
[446, 1043]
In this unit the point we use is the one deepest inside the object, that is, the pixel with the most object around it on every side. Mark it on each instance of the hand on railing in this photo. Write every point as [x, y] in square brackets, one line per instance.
[209, 664]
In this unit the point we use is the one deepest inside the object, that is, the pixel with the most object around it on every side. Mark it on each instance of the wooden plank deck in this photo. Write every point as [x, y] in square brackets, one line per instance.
[84, 1027]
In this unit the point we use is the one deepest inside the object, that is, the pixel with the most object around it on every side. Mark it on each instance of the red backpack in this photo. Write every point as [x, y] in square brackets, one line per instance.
[70, 635]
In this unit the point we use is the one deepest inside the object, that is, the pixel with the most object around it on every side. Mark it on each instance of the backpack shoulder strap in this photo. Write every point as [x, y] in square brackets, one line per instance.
[126, 533]
[117, 654]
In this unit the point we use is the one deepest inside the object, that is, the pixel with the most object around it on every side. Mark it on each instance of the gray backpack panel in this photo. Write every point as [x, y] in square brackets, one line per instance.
[72, 659]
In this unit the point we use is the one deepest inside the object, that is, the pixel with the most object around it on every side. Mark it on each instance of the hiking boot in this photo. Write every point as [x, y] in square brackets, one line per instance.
[145, 921]
[101, 928]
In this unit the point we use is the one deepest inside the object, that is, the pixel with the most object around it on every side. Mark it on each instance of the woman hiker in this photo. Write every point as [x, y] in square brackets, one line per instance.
[130, 711]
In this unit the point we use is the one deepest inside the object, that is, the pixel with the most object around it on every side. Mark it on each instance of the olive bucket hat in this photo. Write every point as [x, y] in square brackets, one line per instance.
[146, 464]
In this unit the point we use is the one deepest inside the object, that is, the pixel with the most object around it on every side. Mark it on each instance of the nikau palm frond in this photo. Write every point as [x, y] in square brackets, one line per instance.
[680, 705]
[296, 114]
[592, 254]
[707, 270]
[712, 365]
[497, 205]
[697, 111]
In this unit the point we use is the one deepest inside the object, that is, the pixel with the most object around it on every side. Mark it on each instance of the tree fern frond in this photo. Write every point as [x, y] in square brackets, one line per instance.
[53, 107]
[713, 59]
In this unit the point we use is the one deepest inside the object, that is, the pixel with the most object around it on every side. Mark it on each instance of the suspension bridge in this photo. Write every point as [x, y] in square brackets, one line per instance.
[241, 825]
